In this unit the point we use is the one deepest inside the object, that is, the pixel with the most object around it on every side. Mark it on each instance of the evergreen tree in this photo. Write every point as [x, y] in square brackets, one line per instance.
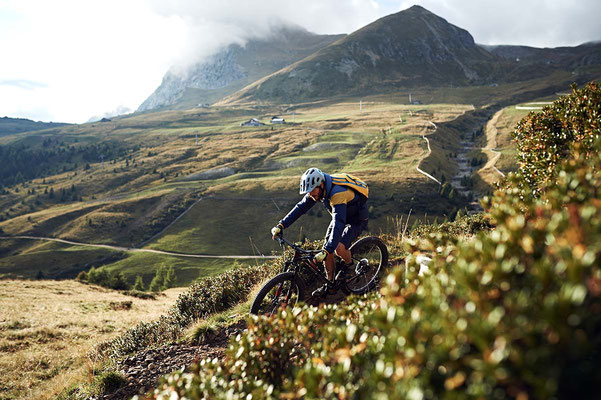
[139, 284]
[158, 281]
[169, 281]
[117, 281]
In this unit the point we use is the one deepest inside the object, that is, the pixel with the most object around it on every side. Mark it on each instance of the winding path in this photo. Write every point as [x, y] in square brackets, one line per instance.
[134, 250]
[491, 143]
[429, 152]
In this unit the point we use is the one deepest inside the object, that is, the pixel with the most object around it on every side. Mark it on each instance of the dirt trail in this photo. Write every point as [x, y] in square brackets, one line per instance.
[135, 250]
[144, 369]
[427, 155]
[491, 143]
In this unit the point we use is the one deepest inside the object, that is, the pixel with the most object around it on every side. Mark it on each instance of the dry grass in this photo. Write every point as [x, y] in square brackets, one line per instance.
[48, 327]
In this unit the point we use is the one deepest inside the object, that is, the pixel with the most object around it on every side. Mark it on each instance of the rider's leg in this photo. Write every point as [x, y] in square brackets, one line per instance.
[330, 265]
[350, 233]
[342, 252]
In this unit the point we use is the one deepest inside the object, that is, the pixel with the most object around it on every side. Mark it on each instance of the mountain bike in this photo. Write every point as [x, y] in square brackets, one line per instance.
[369, 256]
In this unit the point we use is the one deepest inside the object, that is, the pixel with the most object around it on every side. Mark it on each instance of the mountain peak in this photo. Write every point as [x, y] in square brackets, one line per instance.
[420, 9]
[413, 47]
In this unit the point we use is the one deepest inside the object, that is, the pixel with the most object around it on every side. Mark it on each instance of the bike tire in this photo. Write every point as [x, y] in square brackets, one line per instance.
[375, 253]
[267, 303]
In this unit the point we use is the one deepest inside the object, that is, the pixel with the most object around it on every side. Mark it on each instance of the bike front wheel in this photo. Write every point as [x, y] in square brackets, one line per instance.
[282, 291]
[370, 258]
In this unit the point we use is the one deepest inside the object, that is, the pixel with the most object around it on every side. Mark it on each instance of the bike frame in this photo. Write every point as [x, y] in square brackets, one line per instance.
[303, 257]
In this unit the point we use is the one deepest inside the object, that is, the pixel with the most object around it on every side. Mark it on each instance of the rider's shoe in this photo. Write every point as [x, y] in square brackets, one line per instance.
[323, 291]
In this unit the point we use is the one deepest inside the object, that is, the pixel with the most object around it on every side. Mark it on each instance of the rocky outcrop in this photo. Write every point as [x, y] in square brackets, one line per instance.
[216, 72]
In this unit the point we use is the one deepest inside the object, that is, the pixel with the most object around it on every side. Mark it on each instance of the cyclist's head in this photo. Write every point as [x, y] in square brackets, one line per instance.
[312, 178]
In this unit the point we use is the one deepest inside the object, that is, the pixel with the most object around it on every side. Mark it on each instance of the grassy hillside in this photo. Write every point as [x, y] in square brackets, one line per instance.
[10, 126]
[159, 172]
[47, 329]
[234, 182]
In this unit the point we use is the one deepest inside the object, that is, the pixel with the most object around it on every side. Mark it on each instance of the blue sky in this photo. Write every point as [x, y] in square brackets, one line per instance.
[69, 60]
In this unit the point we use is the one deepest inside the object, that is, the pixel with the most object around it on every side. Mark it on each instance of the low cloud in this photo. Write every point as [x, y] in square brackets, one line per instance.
[214, 24]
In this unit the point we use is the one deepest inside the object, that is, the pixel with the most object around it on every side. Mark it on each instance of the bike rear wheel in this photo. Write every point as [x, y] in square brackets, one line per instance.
[283, 290]
[370, 258]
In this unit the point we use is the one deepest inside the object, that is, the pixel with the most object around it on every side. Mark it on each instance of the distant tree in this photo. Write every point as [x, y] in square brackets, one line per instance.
[87, 167]
[98, 276]
[170, 279]
[82, 276]
[51, 193]
[117, 281]
[139, 284]
[39, 275]
[158, 281]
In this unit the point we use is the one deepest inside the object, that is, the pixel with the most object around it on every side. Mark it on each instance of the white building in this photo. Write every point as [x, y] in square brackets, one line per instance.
[252, 122]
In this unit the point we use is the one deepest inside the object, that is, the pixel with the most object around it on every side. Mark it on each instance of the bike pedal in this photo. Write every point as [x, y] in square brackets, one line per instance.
[323, 291]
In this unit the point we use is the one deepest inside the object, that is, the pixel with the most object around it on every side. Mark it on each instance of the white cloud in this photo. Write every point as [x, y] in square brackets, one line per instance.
[211, 24]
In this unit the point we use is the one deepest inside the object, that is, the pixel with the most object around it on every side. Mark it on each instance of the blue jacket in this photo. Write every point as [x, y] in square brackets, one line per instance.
[345, 205]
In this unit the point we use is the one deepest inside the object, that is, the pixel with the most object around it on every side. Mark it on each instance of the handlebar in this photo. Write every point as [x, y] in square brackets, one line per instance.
[283, 241]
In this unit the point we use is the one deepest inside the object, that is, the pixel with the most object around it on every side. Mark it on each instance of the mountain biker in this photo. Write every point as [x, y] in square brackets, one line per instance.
[345, 197]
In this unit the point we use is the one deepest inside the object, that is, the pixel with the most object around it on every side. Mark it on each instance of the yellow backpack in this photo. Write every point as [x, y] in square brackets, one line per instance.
[351, 181]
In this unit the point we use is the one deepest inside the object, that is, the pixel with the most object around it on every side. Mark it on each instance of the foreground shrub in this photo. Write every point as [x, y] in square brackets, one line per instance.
[513, 313]
[544, 139]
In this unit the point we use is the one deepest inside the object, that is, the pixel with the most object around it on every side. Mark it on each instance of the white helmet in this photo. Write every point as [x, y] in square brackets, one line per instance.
[310, 180]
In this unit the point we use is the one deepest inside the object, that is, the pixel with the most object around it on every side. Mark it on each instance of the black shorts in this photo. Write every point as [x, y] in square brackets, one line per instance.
[350, 233]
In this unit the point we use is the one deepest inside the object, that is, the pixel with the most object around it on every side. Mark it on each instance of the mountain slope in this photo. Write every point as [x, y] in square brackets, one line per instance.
[410, 48]
[233, 68]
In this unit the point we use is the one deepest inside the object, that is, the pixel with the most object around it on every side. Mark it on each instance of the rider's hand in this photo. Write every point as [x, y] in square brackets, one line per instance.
[319, 257]
[276, 230]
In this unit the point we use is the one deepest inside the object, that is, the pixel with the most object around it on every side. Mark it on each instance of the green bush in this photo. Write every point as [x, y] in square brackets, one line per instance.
[100, 276]
[544, 139]
[82, 276]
